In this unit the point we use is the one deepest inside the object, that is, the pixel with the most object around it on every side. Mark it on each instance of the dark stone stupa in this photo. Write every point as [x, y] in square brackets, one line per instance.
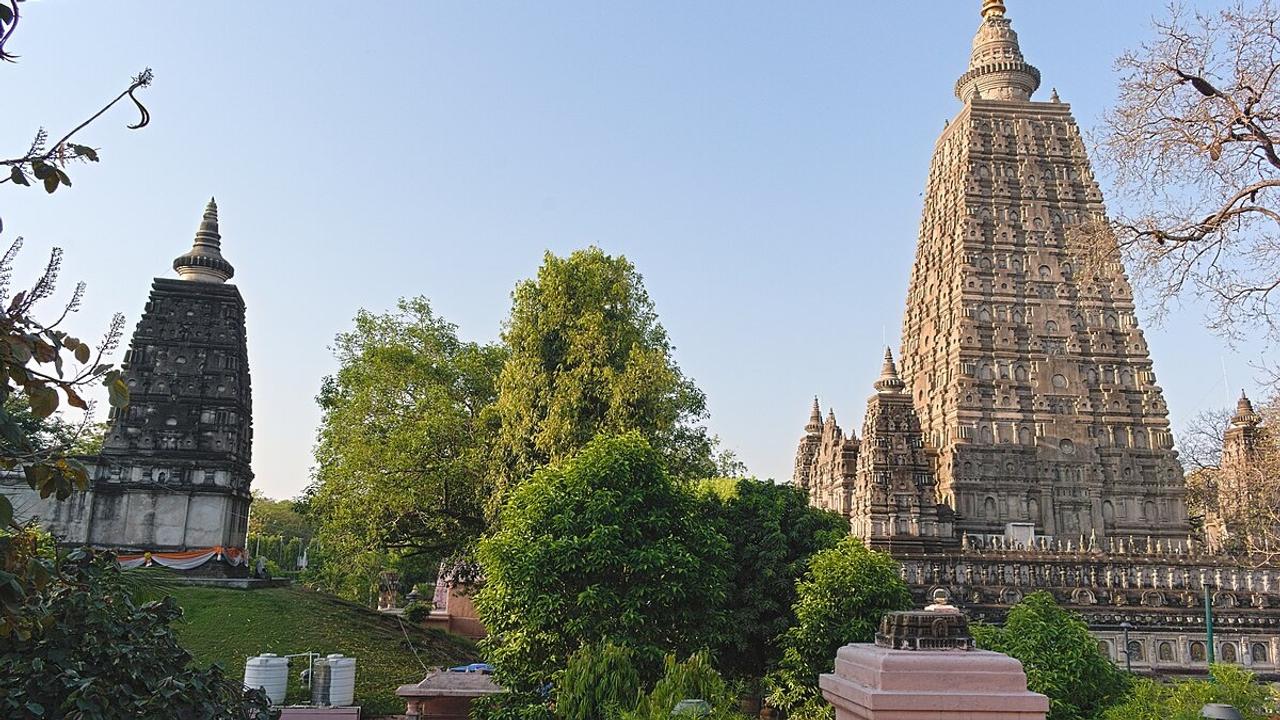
[174, 474]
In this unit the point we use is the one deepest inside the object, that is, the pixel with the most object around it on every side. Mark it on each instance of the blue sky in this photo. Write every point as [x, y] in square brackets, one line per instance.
[761, 163]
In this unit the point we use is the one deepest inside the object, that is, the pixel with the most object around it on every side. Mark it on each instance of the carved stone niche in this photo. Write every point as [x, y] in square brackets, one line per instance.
[924, 630]
[1083, 596]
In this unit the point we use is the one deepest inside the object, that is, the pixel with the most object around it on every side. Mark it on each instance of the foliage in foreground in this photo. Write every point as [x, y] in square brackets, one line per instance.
[1060, 657]
[132, 667]
[1182, 700]
[604, 546]
[693, 678]
[840, 600]
[601, 682]
[772, 532]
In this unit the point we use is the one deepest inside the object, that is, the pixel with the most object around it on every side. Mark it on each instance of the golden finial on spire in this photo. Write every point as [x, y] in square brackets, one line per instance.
[992, 7]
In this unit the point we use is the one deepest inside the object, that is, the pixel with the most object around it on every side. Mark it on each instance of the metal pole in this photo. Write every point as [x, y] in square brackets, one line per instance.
[1128, 663]
[1208, 623]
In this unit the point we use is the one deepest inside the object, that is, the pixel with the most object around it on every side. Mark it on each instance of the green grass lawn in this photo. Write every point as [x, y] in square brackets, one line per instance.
[226, 626]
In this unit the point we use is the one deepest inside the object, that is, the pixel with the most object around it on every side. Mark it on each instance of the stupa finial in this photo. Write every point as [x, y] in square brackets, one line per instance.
[815, 418]
[992, 7]
[1245, 414]
[204, 262]
[889, 381]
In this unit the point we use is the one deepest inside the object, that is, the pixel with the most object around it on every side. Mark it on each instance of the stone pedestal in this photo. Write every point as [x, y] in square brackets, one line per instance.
[877, 683]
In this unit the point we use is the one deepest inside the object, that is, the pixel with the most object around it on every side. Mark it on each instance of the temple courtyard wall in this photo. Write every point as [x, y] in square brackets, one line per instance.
[1160, 595]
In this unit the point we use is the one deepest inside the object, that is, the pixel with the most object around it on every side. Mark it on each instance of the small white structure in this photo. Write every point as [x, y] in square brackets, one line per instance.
[269, 672]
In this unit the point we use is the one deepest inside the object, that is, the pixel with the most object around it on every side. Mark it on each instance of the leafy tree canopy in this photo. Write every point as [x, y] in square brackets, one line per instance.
[588, 356]
[278, 517]
[602, 546]
[401, 461]
[132, 668]
[1059, 655]
[772, 531]
[840, 600]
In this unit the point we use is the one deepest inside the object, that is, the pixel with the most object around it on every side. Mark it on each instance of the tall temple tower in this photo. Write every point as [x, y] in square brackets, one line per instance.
[173, 475]
[1025, 446]
[1024, 360]
[175, 465]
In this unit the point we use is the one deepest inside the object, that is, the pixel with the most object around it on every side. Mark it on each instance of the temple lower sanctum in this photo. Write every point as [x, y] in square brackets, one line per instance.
[1024, 443]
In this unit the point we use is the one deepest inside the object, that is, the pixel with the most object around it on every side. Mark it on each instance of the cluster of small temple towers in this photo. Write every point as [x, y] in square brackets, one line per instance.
[1027, 393]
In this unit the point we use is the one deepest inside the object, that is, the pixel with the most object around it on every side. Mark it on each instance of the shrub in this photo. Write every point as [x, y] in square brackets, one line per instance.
[599, 682]
[1060, 657]
[840, 600]
[511, 706]
[417, 612]
[93, 651]
[692, 679]
[1182, 700]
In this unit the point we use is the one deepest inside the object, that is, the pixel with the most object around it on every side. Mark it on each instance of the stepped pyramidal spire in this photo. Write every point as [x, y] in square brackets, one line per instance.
[1030, 377]
[997, 70]
[204, 262]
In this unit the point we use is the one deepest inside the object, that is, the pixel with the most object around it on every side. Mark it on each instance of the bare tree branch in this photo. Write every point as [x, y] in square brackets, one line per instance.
[1192, 145]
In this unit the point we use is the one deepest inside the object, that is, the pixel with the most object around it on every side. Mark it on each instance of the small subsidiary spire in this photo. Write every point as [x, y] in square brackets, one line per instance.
[889, 382]
[204, 262]
[815, 419]
[1245, 414]
[997, 70]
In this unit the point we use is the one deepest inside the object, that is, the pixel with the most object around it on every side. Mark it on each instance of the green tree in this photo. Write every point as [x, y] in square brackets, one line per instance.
[133, 668]
[772, 531]
[840, 600]
[278, 517]
[1182, 700]
[402, 456]
[588, 356]
[1060, 657]
[602, 546]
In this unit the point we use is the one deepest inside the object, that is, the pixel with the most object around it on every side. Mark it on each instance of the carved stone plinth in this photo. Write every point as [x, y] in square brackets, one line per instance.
[876, 683]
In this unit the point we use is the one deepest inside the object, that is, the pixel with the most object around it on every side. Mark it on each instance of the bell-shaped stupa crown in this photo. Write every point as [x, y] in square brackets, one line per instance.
[204, 262]
[997, 70]
[889, 382]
